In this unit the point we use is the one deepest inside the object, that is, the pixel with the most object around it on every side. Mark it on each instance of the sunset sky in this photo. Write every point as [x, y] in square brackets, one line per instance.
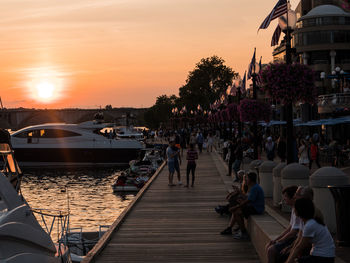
[90, 53]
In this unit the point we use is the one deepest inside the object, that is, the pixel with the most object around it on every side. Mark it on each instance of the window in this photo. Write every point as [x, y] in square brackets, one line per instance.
[47, 133]
[58, 133]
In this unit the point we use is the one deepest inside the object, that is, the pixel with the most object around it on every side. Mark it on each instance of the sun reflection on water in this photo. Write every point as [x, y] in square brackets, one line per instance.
[91, 199]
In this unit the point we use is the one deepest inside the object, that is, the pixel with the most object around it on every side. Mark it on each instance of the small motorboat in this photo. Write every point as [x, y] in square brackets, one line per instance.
[80, 243]
[127, 183]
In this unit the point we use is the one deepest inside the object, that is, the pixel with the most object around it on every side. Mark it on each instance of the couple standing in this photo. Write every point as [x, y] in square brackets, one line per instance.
[174, 161]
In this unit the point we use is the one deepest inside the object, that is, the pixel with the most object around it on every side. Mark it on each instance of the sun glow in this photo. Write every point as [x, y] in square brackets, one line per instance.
[45, 84]
[45, 90]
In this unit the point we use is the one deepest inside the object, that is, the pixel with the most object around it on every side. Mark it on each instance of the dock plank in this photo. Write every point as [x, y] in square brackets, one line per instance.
[178, 224]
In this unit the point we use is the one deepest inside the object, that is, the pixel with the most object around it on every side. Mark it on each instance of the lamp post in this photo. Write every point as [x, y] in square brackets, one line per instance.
[238, 84]
[338, 74]
[322, 77]
[255, 97]
[287, 23]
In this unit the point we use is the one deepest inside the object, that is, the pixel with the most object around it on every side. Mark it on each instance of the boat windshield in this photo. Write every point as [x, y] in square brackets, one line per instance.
[10, 166]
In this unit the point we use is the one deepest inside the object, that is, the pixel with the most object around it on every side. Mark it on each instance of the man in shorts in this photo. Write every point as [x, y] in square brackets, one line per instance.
[173, 160]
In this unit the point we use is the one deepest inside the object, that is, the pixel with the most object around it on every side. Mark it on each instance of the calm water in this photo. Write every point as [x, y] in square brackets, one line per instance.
[91, 198]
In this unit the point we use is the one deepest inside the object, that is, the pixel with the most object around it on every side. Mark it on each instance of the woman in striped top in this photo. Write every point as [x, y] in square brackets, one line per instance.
[192, 155]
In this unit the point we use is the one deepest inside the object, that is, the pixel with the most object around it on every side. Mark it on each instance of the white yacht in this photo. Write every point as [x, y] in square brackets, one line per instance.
[60, 144]
[124, 132]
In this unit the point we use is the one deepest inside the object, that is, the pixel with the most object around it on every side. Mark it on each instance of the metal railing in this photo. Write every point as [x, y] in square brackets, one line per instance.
[333, 102]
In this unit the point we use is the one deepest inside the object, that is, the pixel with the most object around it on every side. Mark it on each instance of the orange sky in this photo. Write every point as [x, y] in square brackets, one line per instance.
[120, 52]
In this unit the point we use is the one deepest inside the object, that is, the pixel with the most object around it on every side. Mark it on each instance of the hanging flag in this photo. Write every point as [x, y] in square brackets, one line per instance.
[260, 67]
[243, 82]
[251, 69]
[258, 78]
[276, 36]
[279, 9]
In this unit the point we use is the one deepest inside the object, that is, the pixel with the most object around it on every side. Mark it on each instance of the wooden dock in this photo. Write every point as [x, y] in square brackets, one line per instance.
[176, 224]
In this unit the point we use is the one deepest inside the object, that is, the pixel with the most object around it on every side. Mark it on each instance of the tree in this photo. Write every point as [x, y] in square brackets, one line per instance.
[160, 111]
[108, 107]
[206, 82]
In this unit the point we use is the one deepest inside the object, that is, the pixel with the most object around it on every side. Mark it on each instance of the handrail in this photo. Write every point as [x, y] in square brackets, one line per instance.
[101, 244]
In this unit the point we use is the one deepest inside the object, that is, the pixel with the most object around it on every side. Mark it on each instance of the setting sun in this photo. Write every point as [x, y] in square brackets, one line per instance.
[45, 90]
[45, 84]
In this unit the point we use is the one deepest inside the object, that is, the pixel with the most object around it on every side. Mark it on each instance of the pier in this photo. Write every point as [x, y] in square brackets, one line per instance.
[176, 224]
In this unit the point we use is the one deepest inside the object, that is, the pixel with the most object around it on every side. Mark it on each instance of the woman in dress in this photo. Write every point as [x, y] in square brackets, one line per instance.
[304, 153]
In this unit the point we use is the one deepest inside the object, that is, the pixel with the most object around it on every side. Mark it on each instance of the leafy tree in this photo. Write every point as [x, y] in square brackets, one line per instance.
[206, 82]
[108, 107]
[161, 111]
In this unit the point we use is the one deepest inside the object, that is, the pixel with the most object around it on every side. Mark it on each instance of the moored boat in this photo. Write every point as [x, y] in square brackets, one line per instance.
[60, 144]
[22, 239]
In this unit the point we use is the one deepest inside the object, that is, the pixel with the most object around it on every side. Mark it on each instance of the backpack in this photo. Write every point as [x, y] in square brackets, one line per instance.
[313, 151]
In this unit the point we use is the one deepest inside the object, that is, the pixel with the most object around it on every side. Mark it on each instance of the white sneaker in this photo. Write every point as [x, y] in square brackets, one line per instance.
[179, 183]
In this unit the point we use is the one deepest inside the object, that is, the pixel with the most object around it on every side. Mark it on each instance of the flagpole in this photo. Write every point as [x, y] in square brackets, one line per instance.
[289, 106]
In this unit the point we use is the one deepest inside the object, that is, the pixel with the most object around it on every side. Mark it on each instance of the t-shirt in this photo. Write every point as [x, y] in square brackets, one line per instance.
[322, 241]
[256, 198]
[170, 152]
[192, 155]
[295, 222]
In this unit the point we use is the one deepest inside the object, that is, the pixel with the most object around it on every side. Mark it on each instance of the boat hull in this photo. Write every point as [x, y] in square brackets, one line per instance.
[55, 157]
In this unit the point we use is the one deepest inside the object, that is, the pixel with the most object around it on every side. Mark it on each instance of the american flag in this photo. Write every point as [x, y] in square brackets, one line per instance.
[280, 8]
[252, 66]
[258, 78]
[276, 36]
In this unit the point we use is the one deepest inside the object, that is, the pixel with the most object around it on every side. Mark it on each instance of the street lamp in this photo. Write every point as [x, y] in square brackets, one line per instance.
[287, 23]
[322, 77]
[338, 74]
[255, 124]
[238, 84]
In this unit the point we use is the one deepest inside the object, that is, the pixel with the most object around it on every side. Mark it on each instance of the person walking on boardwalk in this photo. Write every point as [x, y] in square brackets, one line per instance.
[174, 161]
[191, 157]
[200, 141]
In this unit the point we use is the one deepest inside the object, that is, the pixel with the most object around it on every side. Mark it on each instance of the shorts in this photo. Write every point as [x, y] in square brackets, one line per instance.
[173, 166]
[248, 210]
[279, 246]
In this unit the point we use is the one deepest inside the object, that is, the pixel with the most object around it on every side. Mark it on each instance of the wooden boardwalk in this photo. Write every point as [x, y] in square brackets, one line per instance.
[178, 224]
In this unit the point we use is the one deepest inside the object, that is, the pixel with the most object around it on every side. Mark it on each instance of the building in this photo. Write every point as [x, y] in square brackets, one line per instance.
[321, 40]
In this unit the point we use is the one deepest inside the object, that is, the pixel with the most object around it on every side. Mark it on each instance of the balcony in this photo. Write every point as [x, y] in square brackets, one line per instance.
[332, 103]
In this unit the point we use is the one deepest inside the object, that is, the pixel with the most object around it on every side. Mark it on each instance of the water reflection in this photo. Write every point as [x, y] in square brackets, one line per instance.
[91, 199]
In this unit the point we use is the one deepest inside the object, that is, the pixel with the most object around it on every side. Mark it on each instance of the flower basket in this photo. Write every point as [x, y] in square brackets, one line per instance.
[254, 110]
[233, 113]
[289, 83]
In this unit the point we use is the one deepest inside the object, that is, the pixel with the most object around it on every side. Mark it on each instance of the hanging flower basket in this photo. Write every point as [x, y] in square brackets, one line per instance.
[289, 83]
[232, 110]
[223, 116]
[254, 110]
